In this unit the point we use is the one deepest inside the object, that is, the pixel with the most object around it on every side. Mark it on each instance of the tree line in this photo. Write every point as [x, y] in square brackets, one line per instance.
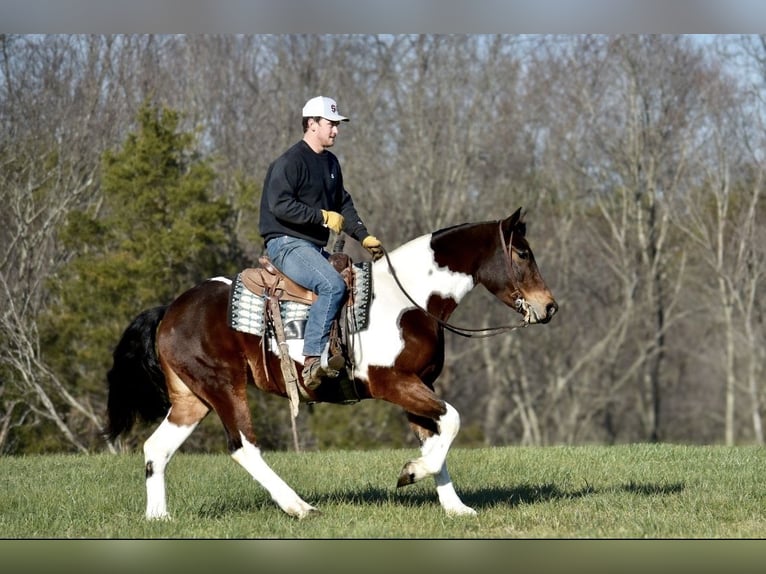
[131, 168]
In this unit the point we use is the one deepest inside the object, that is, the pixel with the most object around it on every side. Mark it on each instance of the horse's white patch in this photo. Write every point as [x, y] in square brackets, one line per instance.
[294, 348]
[221, 279]
[421, 277]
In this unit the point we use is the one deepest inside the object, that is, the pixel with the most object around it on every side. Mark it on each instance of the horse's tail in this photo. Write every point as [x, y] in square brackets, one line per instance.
[136, 382]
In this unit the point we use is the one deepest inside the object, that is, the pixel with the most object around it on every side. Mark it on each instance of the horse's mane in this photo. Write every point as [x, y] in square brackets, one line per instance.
[519, 227]
[452, 228]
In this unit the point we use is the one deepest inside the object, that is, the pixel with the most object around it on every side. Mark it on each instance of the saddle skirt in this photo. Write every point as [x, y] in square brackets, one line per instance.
[252, 287]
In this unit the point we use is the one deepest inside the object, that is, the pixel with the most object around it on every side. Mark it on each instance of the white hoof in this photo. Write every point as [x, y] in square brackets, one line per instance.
[300, 509]
[461, 510]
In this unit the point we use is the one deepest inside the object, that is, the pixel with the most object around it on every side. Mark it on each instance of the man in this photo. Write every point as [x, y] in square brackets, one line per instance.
[303, 199]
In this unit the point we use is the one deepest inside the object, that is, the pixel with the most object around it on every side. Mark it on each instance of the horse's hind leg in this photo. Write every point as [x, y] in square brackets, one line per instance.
[433, 461]
[185, 414]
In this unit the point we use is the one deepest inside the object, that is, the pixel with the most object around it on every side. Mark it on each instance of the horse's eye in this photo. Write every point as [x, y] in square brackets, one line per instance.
[522, 253]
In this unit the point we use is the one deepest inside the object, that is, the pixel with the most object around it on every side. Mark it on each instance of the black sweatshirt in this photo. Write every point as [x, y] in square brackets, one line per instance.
[298, 185]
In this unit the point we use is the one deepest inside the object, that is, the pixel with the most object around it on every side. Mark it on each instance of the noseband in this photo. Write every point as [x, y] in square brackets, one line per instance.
[464, 331]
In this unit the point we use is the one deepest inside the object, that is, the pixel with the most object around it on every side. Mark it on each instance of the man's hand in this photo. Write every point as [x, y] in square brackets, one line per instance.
[372, 244]
[333, 220]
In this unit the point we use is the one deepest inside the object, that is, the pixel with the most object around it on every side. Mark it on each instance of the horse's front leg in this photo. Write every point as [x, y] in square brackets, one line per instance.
[433, 461]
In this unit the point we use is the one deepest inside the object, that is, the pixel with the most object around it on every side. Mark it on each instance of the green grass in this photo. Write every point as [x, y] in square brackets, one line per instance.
[632, 491]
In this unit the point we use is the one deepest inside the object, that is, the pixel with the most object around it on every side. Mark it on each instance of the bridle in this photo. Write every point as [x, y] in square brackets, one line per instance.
[464, 331]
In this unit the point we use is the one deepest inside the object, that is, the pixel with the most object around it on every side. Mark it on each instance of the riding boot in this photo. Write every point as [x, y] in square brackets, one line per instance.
[314, 371]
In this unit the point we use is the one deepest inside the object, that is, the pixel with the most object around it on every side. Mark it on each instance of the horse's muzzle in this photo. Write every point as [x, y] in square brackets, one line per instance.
[550, 311]
[535, 312]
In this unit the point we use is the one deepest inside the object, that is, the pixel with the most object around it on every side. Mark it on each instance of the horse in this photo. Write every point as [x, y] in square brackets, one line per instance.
[182, 360]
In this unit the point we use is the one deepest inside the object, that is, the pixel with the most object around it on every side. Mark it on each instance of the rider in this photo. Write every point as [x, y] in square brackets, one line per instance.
[303, 199]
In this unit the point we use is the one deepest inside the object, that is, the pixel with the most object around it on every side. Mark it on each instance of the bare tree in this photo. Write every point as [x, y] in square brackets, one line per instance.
[720, 218]
[623, 119]
[638, 159]
[51, 87]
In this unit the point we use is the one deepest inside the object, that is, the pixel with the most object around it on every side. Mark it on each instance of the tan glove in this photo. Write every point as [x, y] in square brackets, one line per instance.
[372, 244]
[333, 220]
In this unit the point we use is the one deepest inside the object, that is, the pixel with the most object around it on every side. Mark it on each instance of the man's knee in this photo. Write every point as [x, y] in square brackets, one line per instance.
[334, 285]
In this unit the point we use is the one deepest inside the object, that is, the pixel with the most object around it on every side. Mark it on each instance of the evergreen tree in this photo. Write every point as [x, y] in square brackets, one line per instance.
[158, 232]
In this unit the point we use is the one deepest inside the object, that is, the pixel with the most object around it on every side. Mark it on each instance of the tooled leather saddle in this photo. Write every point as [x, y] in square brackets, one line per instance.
[268, 281]
[265, 302]
[254, 290]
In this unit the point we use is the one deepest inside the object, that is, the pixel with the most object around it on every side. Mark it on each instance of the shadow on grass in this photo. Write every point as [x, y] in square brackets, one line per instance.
[493, 496]
[479, 498]
[653, 489]
[220, 507]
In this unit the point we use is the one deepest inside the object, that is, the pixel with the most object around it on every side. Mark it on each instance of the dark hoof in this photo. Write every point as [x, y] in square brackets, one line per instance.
[405, 478]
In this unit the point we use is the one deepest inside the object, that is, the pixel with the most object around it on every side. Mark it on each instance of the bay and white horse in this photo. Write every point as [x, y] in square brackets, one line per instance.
[183, 360]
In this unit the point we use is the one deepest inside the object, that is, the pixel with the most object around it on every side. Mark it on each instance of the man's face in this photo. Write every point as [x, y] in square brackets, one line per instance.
[326, 131]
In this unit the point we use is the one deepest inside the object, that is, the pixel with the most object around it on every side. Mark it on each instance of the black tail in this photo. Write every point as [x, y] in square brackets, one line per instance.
[136, 382]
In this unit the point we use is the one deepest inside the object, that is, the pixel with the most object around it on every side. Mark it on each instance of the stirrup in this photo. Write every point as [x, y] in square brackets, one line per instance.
[331, 364]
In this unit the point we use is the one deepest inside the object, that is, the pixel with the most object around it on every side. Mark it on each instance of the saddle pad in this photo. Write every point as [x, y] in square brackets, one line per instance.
[247, 309]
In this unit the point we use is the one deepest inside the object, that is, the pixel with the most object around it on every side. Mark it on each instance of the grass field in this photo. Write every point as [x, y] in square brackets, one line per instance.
[630, 491]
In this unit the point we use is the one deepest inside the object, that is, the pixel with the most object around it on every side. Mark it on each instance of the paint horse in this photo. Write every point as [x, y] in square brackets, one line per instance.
[181, 360]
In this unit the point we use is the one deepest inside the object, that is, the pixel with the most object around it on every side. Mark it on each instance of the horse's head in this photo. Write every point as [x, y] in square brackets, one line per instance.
[511, 273]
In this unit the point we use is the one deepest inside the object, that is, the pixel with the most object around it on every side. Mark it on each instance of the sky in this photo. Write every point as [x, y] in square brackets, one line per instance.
[382, 16]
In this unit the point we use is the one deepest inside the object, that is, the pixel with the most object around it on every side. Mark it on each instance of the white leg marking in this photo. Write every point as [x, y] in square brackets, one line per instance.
[448, 498]
[158, 449]
[249, 456]
[434, 462]
[434, 449]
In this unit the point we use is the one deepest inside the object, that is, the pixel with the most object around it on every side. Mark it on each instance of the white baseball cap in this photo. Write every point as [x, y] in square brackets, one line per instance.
[322, 107]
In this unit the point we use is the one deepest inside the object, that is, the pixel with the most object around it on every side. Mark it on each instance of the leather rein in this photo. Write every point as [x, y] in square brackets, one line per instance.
[464, 331]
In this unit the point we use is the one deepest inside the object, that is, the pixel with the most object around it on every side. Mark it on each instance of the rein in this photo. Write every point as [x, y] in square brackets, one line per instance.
[464, 331]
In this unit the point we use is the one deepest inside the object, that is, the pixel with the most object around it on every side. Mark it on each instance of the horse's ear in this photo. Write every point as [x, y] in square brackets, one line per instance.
[515, 223]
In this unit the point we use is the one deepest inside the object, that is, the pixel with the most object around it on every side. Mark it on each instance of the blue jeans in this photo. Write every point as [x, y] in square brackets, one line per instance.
[307, 264]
